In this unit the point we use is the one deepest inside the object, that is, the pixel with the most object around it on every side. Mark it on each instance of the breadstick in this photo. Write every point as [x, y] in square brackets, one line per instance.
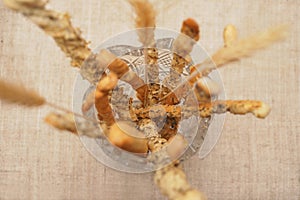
[257, 108]
[173, 183]
[106, 84]
[184, 43]
[128, 138]
[182, 46]
[121, 69]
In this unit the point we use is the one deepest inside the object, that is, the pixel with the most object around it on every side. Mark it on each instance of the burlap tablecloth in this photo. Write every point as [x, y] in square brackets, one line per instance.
[254, 158]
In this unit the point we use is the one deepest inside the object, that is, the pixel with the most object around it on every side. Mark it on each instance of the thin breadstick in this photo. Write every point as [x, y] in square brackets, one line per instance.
[89, 102]
[173, 183]
[257, 108]
[128, 138]
[121, 69]
[184, 43]
[105, 85]
[182, 46]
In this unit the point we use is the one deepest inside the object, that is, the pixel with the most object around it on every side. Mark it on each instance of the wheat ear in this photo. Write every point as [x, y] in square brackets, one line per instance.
[63, 121]
[56, 24]
[14, 93]
[144, 21]
[18, 94]
[247, 46]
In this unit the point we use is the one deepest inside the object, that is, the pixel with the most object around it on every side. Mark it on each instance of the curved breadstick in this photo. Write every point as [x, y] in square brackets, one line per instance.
[121, 69]
[106, 84]
[133, 142]
[128, 138]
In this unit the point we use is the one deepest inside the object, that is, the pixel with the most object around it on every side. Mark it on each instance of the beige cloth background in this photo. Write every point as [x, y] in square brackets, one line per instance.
[254, 159]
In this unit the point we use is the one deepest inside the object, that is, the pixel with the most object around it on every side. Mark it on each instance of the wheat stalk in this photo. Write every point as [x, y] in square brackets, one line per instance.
[14, 93]
[18, 94]
[56, 24]
[63, 121]
[145, 21]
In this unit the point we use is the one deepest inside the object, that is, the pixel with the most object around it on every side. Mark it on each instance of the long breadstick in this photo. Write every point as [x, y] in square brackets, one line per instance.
[258, 108]
[128, 138]
[173, 183]
[106, 84]
[182, 46]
